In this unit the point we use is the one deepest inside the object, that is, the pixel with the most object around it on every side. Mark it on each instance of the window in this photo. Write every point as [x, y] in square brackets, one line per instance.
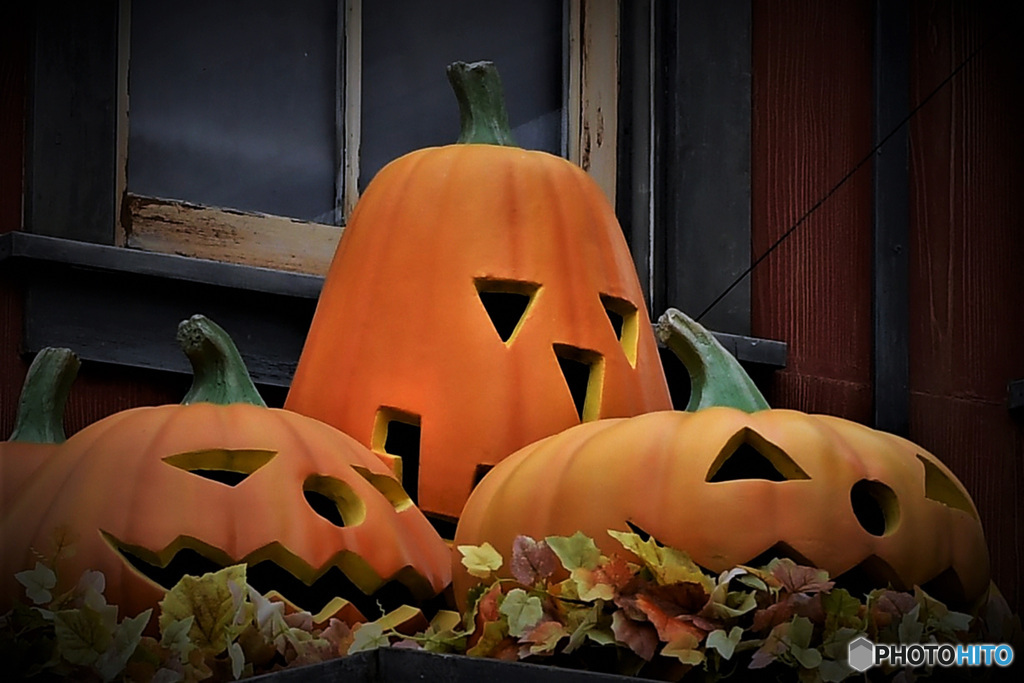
[262, 126]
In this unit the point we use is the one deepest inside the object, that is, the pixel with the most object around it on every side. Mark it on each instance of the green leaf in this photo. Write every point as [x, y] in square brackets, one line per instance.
[580, 623]
[575, 552]
[81, 635]
[38, 583]
[126, 639]
[523, 611]
[725, 644]
[174, 636]
[492, 640]
[800, 632]
[480, 560]
[834, 671]
[211, 602]
[369, 636]
[809, 658]
[911, 629]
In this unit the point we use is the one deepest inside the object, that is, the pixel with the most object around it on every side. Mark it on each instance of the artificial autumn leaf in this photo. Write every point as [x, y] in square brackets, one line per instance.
[127, 637]
[366, 637]
[799, 635]
[209, 599]
[532, 561]
[799, 579]
[938, 617]
[842, 610]
[544, 637]
[443, 635]
[640, 637]
[174, 636]
[886, 606]
[590, 585]
[495, 643]
[771, 616]
[668, 565]
[82, 635]
[724, 643]
[911, 629]
[668, 613]
[38, 583]
[580, 623]
[685, 649]
[339, 635]
[480, 560]
[522, 611]
[237, 658]
[773, 647]
[724, 604]
[575, 552]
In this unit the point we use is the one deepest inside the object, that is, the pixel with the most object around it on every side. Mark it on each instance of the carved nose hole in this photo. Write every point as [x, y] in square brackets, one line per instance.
[397, 434]
[876, 507]
[625, 322]
[334, 500]
[584, 375]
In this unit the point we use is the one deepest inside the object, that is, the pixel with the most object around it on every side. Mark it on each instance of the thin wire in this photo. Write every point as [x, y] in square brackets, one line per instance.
[849, 174]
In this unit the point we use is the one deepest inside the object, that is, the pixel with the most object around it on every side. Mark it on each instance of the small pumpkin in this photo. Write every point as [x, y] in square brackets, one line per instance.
[482, 296]
[736, 483]
[149, 494]
[39, 422]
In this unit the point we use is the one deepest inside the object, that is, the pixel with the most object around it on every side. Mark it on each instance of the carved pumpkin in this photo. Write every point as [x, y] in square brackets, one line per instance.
[481, 297]
[151, 493]
[734, 487]
[39, 423]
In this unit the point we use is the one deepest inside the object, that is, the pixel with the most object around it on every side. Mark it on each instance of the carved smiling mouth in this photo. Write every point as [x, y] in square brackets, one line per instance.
[273, 569]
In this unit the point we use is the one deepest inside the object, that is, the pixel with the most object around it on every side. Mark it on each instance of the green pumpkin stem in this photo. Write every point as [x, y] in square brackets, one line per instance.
[482, 112]
[716, 377]
[40, 417]
[218, 373]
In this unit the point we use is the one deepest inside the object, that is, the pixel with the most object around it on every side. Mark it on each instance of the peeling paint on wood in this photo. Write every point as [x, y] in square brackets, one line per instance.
[172, 227]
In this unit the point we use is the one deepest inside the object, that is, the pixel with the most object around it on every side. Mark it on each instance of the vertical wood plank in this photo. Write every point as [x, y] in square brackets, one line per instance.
[14, 47]
[71, 171]
[967, 246]
[812, 123]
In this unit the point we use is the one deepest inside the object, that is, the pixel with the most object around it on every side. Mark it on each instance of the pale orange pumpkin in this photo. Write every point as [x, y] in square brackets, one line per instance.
[732, 487]
[149, 494]
[481, 297]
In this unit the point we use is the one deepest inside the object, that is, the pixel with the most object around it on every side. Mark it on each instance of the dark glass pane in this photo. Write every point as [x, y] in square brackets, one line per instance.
[407, 102]
[232, 104]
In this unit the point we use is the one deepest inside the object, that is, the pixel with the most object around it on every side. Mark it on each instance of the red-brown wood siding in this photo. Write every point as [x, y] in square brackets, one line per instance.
[967, 263]
[812, 118]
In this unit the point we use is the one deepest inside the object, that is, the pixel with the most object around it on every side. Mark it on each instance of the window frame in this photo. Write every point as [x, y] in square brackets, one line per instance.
[243, 237]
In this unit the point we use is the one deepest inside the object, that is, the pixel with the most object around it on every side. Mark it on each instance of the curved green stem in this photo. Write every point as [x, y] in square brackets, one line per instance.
[218, 373]
[716, 377]
[40, 417]
[482, 112]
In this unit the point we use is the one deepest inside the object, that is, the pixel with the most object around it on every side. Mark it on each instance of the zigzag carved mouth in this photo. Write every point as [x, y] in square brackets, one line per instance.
[274, 569]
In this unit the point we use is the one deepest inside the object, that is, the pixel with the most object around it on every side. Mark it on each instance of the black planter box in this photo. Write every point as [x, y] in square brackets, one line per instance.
[394, 665]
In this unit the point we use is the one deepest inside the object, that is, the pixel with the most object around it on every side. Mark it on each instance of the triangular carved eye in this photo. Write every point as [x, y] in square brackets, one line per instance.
[748, 455]
[939, 487]
[625, 321]
[507, 303]
[224, 465]
[584, 375]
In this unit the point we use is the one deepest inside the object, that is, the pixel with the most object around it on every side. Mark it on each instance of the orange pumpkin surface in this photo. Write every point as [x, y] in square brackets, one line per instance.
[482, 297]
[151, 493]
[731, 487]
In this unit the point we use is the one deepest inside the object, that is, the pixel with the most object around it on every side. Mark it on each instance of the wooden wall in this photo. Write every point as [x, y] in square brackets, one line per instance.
[812, 91]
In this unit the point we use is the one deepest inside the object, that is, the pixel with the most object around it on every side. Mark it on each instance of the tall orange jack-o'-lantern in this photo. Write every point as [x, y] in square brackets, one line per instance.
[482, 297]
